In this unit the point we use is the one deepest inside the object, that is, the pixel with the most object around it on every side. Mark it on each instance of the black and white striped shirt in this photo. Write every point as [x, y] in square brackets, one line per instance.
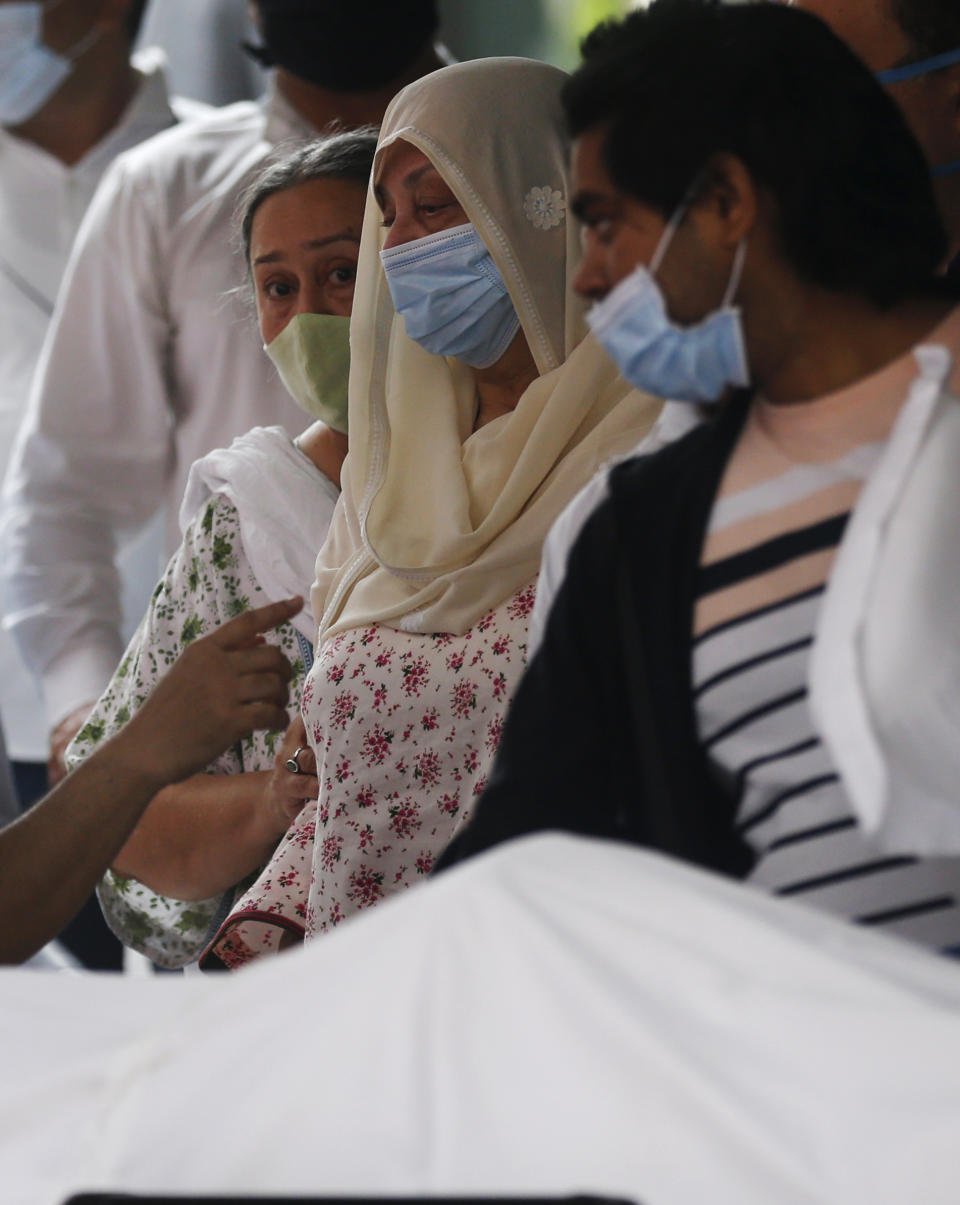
[766, 561]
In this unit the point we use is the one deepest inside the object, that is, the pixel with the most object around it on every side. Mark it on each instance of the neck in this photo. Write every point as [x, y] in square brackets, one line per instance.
[501, 386]
[88, 105]
[326, 448]
[322, 106]
[817, 342]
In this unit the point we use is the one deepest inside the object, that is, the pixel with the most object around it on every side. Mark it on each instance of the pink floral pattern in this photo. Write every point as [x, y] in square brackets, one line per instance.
[404, 728]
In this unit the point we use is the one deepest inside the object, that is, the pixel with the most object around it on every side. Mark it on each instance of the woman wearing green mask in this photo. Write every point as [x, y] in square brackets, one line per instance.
[254, 515]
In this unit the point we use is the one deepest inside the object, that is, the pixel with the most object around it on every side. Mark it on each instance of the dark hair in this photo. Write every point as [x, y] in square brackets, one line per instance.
[343, 156]
[686, 80]
[344, 45]
[134, 18]
[932, 26]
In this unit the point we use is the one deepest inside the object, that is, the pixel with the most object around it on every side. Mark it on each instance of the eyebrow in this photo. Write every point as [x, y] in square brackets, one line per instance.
[313, 244]
[411, 178]
[408, 180]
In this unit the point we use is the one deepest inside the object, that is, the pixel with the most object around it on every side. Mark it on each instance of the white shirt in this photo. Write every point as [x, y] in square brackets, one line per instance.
[153, 359]
[42, 202]
[675, 419]
[885, 666]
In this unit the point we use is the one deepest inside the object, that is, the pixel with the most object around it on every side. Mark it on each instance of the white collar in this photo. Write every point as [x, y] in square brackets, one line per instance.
[284, 123]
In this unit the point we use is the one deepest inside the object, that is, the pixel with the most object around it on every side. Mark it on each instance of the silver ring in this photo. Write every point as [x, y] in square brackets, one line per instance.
[293, 765]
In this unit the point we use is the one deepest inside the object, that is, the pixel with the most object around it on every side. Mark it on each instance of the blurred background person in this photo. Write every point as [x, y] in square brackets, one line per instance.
[913, 48]
[71, 100]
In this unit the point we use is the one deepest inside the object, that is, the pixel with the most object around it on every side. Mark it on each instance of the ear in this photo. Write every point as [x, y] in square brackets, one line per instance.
[727, 197]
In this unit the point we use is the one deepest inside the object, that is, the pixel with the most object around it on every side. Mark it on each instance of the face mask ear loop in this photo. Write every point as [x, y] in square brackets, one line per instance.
[735, 273]
[673, 225]
[81, 47]
[667, 238]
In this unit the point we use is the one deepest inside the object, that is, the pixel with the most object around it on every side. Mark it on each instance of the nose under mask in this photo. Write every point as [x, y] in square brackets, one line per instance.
[451, 296]
[690, 364]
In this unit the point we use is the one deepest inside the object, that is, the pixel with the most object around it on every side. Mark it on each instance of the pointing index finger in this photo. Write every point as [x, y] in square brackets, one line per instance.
[244, 629]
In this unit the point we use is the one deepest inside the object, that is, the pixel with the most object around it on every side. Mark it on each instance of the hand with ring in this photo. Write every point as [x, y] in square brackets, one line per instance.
[293, 763]
[293, 779]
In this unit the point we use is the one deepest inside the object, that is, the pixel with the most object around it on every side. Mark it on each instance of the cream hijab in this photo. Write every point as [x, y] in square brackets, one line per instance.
[438, 523]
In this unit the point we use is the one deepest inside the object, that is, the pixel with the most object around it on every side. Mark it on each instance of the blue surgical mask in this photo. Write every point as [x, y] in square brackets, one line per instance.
[30, 72]
[690, 364]
[894, 75]
[451, 296]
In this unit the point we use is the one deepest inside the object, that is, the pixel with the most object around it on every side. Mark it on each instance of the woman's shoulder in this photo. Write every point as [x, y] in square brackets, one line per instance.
[213, 575]
[216, 517]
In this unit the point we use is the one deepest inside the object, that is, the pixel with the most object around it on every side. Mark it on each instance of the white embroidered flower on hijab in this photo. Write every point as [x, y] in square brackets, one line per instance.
[544, 207]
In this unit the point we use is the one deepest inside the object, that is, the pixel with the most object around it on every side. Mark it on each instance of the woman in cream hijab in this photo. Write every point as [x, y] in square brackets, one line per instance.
[478, 407]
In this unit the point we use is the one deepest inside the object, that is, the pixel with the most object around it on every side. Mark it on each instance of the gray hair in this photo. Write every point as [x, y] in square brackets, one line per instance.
[347, 155]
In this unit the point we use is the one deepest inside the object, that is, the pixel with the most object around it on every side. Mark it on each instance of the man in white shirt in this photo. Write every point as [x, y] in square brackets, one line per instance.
[153, 358]
[71, 99]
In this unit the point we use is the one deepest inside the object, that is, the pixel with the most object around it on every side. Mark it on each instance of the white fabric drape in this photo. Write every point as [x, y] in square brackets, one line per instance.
[560, 1015]
[284, 502]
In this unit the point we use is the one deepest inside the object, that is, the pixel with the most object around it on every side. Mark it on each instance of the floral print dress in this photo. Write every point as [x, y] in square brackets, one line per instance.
[404, 727]
[207, 582]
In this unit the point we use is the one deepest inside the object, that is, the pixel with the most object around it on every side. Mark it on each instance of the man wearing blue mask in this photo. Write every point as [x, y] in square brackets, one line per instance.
[913, 48]
[746, 661]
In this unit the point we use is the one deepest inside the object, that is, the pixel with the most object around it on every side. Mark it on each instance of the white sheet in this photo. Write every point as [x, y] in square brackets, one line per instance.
[559, 1015]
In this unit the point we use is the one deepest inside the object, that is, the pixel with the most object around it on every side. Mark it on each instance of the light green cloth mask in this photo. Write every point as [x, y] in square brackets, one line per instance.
[312, 355]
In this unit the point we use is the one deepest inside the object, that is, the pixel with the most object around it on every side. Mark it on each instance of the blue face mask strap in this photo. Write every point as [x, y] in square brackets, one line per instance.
[946, 169]
[666, 238]
[923, 67]
[671, 228]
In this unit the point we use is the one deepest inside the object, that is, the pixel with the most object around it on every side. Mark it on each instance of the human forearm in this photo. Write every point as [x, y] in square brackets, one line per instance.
[201, 836]
[224, 686]
[51, 858]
